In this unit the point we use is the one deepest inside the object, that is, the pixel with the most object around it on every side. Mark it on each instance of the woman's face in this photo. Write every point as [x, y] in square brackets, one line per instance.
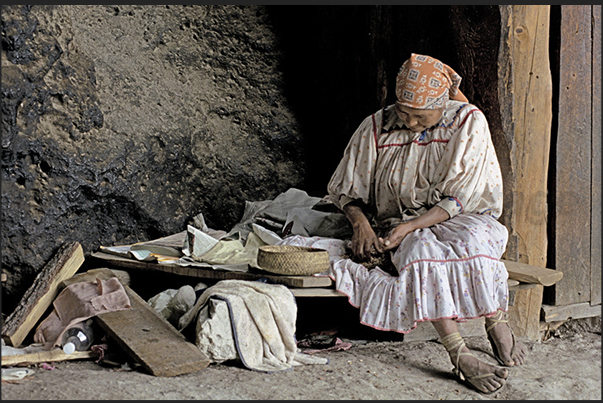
[418, 120]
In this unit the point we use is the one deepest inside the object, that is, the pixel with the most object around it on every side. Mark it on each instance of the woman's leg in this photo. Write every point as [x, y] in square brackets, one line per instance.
[469, 365]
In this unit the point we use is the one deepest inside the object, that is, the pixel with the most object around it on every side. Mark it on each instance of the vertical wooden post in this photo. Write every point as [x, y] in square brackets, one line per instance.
[528, 70]
[572, 229]
[595, 248]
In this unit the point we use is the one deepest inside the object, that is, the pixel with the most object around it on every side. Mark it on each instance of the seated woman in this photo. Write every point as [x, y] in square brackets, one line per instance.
[420, 180]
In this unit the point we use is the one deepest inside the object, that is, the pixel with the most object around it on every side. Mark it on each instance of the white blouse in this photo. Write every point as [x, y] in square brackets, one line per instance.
[401, 174]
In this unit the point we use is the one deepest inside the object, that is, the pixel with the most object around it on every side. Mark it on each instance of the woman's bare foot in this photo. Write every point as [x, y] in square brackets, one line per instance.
[476, 372]
[510, 350]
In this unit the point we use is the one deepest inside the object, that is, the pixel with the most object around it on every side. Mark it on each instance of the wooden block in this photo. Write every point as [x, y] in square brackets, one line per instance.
[42, 293]
[214, 274]
[151, 340]
[45, 356]
[524, 315]
[532, 274]
[574, 311]
[102, 273]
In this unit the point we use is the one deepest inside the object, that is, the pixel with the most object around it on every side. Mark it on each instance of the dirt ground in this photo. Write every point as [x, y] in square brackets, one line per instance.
[379, 365]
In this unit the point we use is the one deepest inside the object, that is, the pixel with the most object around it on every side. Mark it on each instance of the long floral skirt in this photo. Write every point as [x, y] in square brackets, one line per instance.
[450, 270]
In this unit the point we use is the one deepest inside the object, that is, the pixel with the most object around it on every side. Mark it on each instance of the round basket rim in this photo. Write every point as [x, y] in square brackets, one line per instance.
[292, 260]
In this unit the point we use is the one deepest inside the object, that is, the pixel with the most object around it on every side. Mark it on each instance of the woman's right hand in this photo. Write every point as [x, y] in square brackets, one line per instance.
[364, 240]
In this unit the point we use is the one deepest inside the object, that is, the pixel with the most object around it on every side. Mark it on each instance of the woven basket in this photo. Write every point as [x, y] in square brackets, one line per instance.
[293, 260]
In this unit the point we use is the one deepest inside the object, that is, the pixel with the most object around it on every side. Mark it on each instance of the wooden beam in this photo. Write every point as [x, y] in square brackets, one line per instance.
[55, 355]
[524, 314]
[574, 311]
[151, 340]
[40, 295]
[145, 335]
[214, 274]
[595, 236]
[531, 88]
[526, 273]
[572, 224]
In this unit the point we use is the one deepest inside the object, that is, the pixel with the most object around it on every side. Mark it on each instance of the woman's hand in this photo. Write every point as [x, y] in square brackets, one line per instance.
[364, 240]
[396, 236]
[433, 216]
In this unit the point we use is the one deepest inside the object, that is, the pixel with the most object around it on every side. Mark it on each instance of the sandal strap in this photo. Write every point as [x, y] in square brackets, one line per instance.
[454, 341]
[495, 320]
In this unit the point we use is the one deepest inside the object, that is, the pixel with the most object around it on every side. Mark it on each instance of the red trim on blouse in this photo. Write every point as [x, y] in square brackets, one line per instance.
[468, 113]
[415, 141]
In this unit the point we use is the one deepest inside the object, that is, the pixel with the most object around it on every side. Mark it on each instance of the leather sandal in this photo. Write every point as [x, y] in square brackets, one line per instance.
[454, 341]
[490, 323]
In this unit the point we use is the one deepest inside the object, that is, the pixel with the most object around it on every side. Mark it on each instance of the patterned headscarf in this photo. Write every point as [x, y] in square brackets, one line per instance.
[426, 83]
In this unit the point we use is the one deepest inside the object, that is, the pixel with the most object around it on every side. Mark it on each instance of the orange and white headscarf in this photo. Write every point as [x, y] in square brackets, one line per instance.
[426, 83]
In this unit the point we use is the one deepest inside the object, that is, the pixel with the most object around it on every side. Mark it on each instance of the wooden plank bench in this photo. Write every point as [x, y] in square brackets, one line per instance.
[526, 285]
[213, 274]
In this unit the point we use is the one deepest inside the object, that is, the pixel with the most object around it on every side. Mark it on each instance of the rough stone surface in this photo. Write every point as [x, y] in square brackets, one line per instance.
[120, 123]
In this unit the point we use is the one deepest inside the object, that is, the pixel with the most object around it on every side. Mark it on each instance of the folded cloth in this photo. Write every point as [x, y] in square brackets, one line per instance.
[262, 322]
[78, 302]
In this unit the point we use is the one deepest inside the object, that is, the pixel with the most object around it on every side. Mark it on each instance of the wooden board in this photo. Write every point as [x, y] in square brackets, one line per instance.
[524, 314]
[573, 157]
[45, 356]
[40, 295]
[214, 274]
[595, 243]
[532, 274]
[151, 340]
[575, 311]
[148, 338]
[532, 115]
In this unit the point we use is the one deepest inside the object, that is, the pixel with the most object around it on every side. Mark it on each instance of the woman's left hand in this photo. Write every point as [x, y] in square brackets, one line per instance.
[433, 216]
[396, 236]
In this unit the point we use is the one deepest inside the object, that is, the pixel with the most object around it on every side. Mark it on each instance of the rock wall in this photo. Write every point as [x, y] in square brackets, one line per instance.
[120, 123]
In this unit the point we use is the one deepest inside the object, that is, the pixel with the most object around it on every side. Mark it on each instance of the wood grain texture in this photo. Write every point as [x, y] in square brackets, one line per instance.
[573, 157]
[553, 313]
[526, 273]
[532, 113]
[148, 338]
[56, 355]
[595, 244]
[151, 340]
[41, 294]
[524, 315]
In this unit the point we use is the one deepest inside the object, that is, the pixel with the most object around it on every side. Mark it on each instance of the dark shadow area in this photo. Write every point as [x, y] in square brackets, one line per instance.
[548, 296]
[340, 64]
